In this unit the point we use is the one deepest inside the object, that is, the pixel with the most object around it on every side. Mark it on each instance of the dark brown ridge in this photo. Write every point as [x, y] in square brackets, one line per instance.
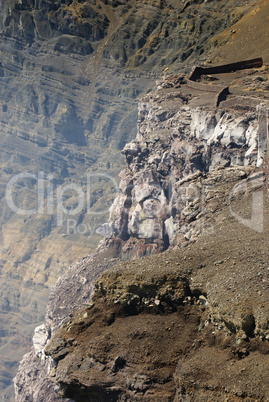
[225, 68]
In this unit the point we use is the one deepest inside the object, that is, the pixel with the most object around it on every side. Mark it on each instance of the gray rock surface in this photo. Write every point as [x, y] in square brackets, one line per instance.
[163, 193]
[71, 291]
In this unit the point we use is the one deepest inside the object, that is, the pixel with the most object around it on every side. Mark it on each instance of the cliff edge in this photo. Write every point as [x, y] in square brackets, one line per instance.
[189, 320]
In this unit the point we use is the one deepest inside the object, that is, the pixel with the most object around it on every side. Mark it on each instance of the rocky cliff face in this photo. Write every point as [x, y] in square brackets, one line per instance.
[70, 75]
[165, 192]
[180, 324]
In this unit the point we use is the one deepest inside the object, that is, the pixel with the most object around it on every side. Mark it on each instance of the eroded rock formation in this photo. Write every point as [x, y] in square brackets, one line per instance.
[180, 324]
[165, 189]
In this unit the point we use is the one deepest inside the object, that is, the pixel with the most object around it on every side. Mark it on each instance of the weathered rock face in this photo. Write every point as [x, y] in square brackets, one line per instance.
[154, 323]
[165, 193]
[70, 74]
[72, 290]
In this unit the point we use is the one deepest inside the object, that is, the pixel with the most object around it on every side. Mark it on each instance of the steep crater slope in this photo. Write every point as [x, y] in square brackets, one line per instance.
[70, 73]
[178, 325]
[194, 182]
[250, 32]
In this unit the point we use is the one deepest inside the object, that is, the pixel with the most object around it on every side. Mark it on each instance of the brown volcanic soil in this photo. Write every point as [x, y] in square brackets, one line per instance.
[189, 324]
[246, 39]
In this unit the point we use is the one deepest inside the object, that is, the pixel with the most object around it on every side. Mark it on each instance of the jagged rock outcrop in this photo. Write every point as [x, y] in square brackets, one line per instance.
[164, 190]
[192, 174]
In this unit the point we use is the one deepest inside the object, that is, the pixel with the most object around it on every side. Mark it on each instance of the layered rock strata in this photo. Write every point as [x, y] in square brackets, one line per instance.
[70, 74]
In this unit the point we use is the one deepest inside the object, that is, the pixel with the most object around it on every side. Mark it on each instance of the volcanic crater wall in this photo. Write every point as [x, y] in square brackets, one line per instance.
[181, 171]
[70, 74]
